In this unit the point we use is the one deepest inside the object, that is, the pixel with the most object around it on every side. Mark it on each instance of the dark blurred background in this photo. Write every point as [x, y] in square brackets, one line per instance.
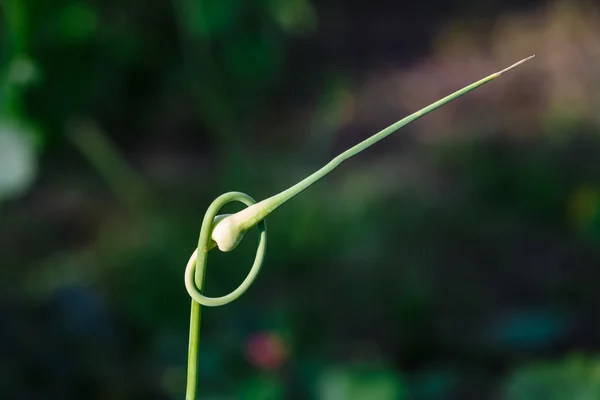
[458, 259]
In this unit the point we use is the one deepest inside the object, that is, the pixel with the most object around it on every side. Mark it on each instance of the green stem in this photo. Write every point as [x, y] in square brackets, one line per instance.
[277, 200]
[192, 370]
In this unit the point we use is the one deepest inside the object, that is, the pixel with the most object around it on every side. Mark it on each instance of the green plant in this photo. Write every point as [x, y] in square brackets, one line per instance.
[576, 377]
[226, 231]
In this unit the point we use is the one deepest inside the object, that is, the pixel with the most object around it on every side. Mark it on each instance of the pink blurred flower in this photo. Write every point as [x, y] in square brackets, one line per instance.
[266, 350]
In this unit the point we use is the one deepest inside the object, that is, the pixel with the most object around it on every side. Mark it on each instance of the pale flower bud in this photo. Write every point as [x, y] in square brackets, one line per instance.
[227, 232]
[229, 229]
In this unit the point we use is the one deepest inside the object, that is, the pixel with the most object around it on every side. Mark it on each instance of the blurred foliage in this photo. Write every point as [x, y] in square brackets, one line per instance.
[427, 269]
[362, 382]
[17, 160]
[574, 378]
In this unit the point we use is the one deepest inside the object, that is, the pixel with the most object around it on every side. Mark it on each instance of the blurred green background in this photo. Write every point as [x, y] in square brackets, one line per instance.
[459, 259]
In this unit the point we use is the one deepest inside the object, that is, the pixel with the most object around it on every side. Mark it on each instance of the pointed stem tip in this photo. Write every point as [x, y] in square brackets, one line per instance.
[514, 65]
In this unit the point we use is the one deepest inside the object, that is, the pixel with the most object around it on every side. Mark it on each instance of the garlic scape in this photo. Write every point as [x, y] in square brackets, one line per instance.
[229, 229]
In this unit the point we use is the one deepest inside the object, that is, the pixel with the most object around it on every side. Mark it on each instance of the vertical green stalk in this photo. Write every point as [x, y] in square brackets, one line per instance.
[192, 368]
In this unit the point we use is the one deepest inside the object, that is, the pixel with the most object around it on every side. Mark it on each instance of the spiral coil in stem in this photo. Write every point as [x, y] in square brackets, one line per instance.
[196, 270]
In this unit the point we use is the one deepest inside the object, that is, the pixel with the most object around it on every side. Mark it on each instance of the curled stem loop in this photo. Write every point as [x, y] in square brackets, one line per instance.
[195, 272]
[196, 266]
